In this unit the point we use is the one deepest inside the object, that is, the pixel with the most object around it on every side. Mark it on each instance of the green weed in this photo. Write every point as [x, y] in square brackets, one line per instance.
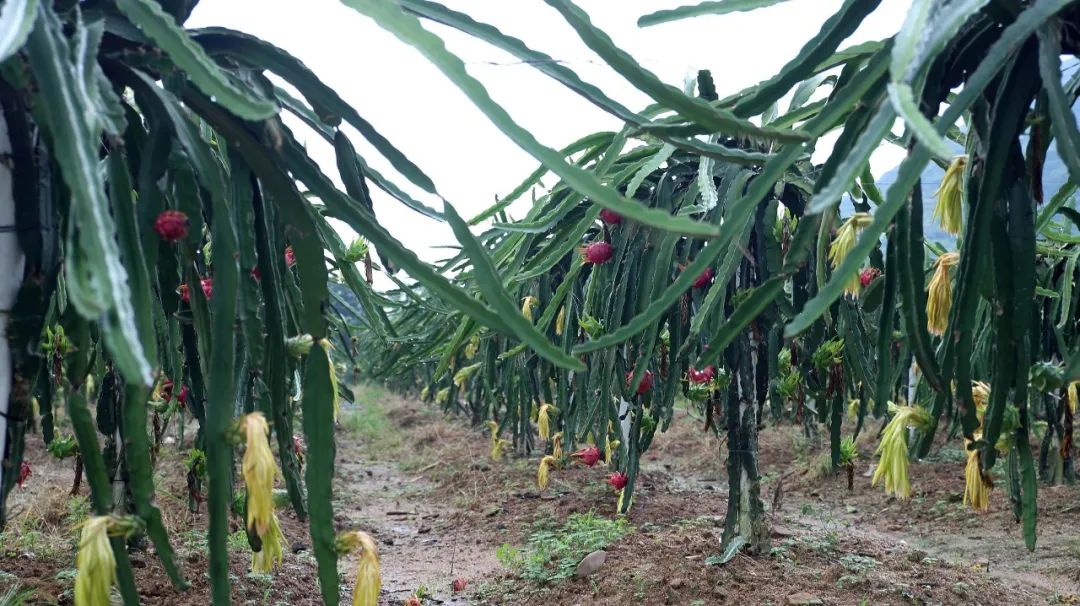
[553, 554]
[368, 421]
[15, 596]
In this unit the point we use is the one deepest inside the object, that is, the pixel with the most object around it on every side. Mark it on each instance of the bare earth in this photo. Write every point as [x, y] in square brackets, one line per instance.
[425, 488]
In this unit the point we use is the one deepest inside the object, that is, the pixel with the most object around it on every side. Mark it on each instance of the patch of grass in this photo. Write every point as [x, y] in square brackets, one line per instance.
[194, 541]
[553, 554]
[1072, 546]
[858, 567]
[78, 509]
[15, 596]
[497, 589]
[67, 575]
[697, 523]
[857, 563]
[819, 543]
[949, 453]
[238, 541]
[368, 421]
[33, 541]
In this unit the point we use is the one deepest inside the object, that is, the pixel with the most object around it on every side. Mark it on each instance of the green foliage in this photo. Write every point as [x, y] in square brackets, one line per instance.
[848, 452]
[15, 595]
[710, 220]
[795, 330]
[828, 354]
[63, 447]
[552, 554]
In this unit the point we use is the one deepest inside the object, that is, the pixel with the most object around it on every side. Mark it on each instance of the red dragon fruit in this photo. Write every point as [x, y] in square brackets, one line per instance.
[868, 275]
[645, 384]
[255, 273]
[171, 225]
[705, 375]
[290, 256]
[207, 287]
[610, 217]
[617, 480]
[459, 585]
[24, 473]
[588, 455]
[705, 278]
[597, 253]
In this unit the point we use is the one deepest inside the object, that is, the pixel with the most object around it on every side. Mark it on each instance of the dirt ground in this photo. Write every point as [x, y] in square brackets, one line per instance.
[425, 487]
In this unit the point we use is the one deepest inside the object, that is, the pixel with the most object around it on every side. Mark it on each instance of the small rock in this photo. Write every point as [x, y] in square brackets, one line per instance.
[591, 563]
[803, 599]
[780, 532]
[916, 556]
[869, 470]
[677, 582]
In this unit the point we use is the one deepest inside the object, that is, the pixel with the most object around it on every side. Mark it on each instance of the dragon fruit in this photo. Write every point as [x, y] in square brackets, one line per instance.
[597, 253]
[171, 225]
[610, 217]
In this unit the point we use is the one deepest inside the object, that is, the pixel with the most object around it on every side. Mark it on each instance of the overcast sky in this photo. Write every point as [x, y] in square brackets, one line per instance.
[471, 162]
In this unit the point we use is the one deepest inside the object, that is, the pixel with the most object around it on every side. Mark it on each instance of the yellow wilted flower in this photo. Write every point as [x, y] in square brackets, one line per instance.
[461, 377]
[976, 485]
[543, 420]
[939, 294]
[472, 346]
[442, 395]
[497, 444]
[328, 347]
[556, 446]
[264, 560]
[609, 450]
[893, 464]
[425, 392]
[368, 577]
[1074, 399]
[95, 564]
[853, 408]
[980, 392]
[560, 320]
[844, 241]
[949, 194]
[542, 471]
[259, 470]
[527, 305]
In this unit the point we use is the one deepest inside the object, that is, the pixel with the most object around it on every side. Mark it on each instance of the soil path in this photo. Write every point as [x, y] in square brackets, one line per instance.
[989, 545]
[423, 545]
[1003, 557]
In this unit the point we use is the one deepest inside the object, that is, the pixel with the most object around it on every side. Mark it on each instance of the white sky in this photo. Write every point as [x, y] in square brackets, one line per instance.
[470, 161]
